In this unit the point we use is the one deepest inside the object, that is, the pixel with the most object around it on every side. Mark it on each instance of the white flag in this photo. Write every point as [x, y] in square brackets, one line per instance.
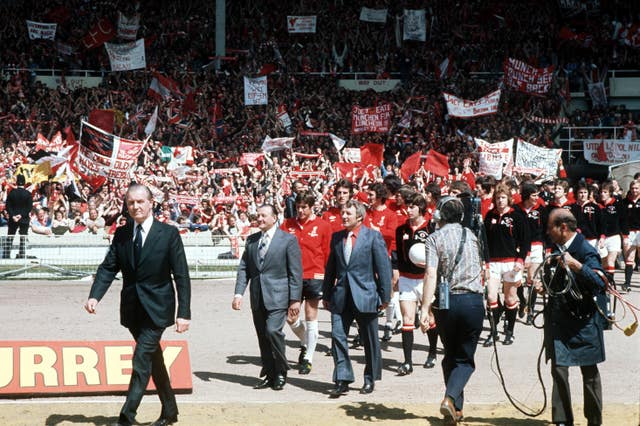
[415, 25]
[378, 16]
[128, 56]
[153, 121]
[255, 91]
[41, 30]
[337, 142]
[276, 144]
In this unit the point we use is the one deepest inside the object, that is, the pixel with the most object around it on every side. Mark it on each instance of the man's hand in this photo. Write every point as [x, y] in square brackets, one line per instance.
[538, 287]
[90, 305]
[383, 306]
[326, 304]
[426, 318]
[182, 325]
[237, 302]
[294, 310]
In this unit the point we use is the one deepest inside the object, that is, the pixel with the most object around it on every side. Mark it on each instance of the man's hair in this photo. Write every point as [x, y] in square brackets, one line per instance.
[380, 190]
[561, 216]
[527, 190]
[271, 207]
[417, 200]
[138, 187]
[434, 189]
[343, 183]
[406, 192]
[306, 197]
[360, 209]
[564, 184]
[392, 182]
[461, 186]
[502, 189]
[452, 210]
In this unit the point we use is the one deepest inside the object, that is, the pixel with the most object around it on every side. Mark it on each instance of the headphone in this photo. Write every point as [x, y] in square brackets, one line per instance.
[441, 202]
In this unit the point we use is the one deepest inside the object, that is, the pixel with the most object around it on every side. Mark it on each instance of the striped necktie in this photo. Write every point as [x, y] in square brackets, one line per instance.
[262, 247]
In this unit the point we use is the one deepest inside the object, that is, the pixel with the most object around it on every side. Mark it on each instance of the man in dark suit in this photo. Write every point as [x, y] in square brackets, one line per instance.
[272, 265]
[147, 252]
[357, 284]
[573, 319]
[19, 205]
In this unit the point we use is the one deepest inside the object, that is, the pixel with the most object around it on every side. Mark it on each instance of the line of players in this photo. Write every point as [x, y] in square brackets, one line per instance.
[512, 217]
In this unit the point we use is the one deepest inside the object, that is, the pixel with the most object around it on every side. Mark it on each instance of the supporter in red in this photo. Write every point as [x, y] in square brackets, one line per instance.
[632, 213]
[508, 243]
[383, 220]
[314, 237]
[342, 193]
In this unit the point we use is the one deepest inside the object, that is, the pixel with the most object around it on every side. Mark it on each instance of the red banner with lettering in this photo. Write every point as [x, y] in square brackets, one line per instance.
[525, 78]
[374, 119]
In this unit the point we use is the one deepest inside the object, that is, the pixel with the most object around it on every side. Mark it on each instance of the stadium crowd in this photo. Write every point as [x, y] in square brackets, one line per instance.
[207, 112]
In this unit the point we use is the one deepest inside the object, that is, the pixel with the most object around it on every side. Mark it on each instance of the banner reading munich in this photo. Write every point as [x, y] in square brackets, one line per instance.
[525, 78]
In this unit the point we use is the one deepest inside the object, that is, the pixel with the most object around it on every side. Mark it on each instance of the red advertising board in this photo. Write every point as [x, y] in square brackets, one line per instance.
[71, 367]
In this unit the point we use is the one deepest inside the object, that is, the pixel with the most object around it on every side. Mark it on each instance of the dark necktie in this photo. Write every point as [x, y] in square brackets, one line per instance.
[137, 244]
[262, 247]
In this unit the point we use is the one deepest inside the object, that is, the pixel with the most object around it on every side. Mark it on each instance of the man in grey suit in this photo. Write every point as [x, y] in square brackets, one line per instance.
[272, 265]
[356, 286]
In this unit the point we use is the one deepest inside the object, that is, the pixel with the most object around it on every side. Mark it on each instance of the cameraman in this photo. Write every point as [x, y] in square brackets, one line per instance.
[452, 255]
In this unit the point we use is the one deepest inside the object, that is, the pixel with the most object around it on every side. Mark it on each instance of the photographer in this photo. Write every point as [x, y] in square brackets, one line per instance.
[453, 265]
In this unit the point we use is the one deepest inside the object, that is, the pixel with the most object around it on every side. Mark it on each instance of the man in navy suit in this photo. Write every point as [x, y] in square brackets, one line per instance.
[356, 286]
[148, 253]
[272, 265]
[573, 325]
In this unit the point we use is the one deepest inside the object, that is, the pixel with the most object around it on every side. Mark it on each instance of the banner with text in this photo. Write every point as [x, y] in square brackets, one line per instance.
[464, 108]
[374, 119]
[128, 27]
[495, 158]
[378, 16]
[610, 151]
[70, 367]
[255, 91]
[377, 85]
[525, 78]
[301, 24]
[41, 30]
[276, 144]
[536, 160]
[415, 25]
[128, 56]
[101, 153]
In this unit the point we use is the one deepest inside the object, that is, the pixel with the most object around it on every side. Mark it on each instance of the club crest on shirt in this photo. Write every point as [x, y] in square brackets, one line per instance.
[314, 232]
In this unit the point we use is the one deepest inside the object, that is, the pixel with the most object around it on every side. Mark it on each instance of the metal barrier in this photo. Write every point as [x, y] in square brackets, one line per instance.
[79, 255]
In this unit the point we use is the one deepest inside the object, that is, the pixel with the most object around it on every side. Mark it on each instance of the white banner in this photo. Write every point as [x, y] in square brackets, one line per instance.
[415, 25]
[41, 30]
[536, 160]
[492, 155]
[377, 85]
[610, 151]
[255, 91]
[276, 144]
[301, 24]
[128, 56]
[128, 27]
[351, 155]
[378, 16]
[464, 108]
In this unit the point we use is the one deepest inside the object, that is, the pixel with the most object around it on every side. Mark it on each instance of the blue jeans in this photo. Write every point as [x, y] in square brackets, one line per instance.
[459, 328]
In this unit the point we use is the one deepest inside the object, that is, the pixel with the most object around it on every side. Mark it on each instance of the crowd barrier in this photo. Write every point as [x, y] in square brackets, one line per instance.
[78, 255]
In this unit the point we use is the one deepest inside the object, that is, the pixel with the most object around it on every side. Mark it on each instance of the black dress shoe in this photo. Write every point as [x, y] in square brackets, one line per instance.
[367, 388]
[264, 383]
[165, 421]
[279, 382]
[341, 389]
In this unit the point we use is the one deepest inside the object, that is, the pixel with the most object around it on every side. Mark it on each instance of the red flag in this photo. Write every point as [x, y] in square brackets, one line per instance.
[102, 32]
[189, 103]
[602, 155]
[267, 69]
[103, 118]
[162, 87]
[346, 170]
[436, 163]
[95, 181]
[410, 166]
[371, 153]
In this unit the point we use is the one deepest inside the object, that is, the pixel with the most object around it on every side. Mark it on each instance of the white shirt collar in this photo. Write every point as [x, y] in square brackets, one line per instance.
[146, 226]
[271, 232]
[567, 244]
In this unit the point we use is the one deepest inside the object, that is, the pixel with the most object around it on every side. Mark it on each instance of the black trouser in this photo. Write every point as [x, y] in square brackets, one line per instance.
[561, 411]
[148, 362]
[8, 242]
[269, 326]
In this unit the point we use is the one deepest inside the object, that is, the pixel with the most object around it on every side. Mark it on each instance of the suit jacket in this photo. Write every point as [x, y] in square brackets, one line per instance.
[20, 201]
[368, 274]
[150, 281]
[573, 328]
[279, 279]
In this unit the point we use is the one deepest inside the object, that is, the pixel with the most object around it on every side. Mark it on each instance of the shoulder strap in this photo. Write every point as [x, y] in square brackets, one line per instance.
[459, 253]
